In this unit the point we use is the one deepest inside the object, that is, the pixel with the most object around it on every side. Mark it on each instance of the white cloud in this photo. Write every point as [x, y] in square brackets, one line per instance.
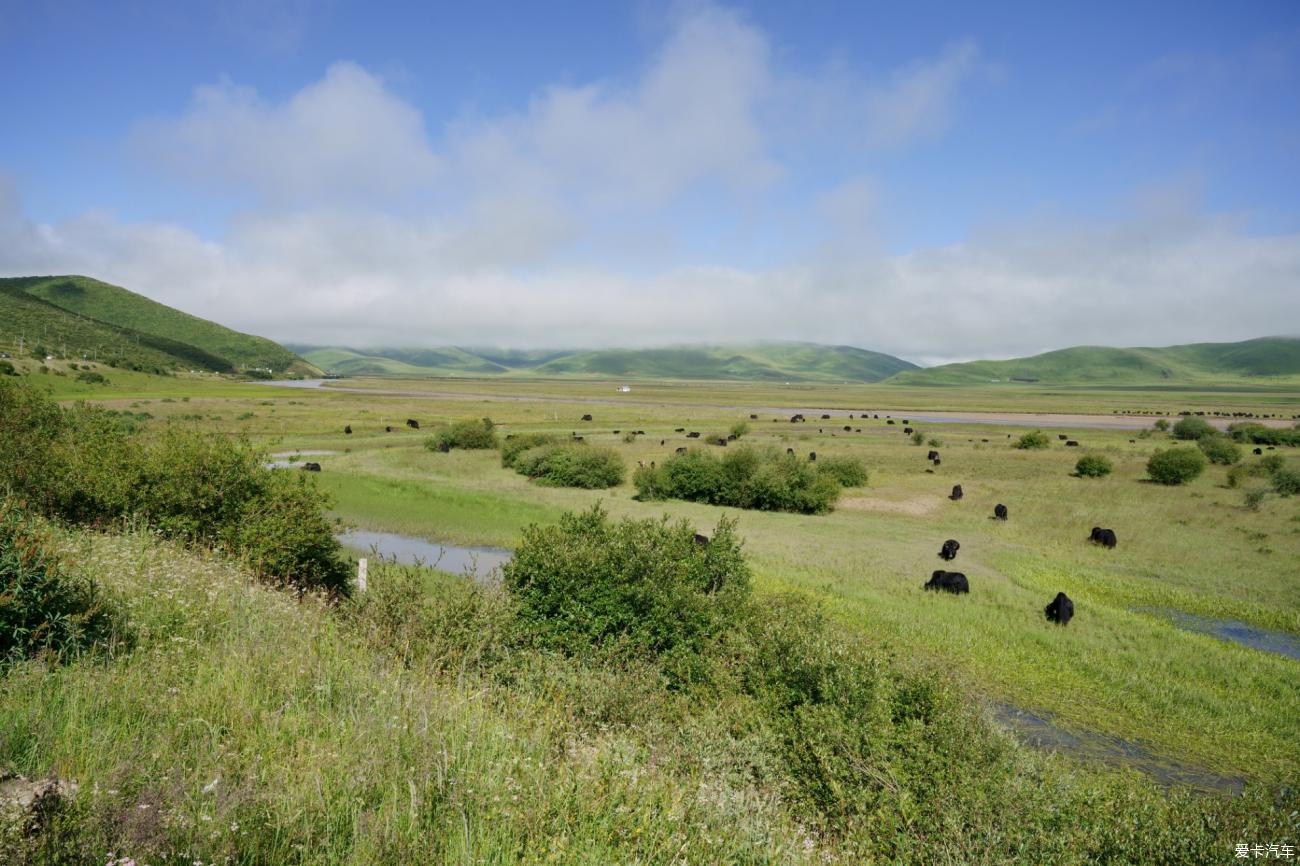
[343, 138]
[917, 102]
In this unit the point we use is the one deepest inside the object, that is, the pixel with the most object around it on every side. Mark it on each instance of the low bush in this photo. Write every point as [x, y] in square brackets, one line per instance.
[1286, 482]
[848, 471]
[1161, 424]
[571, 465]
[646, 585]
[44, 609]
[471, 433]
[1092, 466]
[91, 378]
[1176, 465]
[1258, 434]
[1191, 427]
[1219, 449]
[7, 369]
[739, 429]
[91, 466]
[513, 446]
[1033, 441]
[759, 478]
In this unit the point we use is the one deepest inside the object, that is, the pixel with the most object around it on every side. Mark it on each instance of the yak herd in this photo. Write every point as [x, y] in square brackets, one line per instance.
[1060, 610]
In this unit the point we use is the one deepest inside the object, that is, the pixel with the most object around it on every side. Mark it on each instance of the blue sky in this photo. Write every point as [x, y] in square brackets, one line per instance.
[934, 180]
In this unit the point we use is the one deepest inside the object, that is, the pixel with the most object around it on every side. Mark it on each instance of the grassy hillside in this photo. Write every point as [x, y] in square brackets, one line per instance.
[1268, 357]
[758, 362]
[82, 316]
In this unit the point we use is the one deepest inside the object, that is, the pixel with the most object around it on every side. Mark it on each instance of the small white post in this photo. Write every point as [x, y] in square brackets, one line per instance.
[361, 575]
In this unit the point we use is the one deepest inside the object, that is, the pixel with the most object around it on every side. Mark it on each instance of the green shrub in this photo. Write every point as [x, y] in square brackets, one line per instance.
[1254, 498]
[935, 442]
[1237, 474]
[1032, 441]
[1286, 482]
[45, 610]
[91, 466]
[7, 369]
[739, 429]
[1270, 463]
[1258, 434]
[1161, 424]
[1219, 449]
[471, 433]
[572, 465]
[513, 446]
[1092, 466]
[847, 471]
[744, 477]
[91, 378]
[1176, 465]
[645, 585]
[1192, 427]
[918, 438]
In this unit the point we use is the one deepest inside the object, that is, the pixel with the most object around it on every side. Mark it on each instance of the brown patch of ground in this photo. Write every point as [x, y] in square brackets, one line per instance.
[917, 506]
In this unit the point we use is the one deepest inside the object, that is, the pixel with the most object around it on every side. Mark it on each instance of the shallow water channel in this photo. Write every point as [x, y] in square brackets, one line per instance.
[480, 561]
[1039, 732]
[1232, 630]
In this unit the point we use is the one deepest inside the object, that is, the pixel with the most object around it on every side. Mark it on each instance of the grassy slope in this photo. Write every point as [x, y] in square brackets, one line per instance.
[117, 306]
[1100, 365]
[759, 362]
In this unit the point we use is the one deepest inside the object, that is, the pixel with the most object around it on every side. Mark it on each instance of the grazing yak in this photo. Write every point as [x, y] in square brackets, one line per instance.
[826, 417]
[616, 432]
[1104, 537]
[311, 467]
[681, 450]
[949, 550]
[412, 423]
[347, 428]
[586, 417]
[789, 451]
[847, 428]
[933, 455]
[753, 417]
[956, 493]
[812, 456]
[675, 430]
[999, 512]
[1061, 610]
[663, 442]
[795, 419]
[1259, 450]
[948, 581]
[908, 430]
[889, 420]
[1070, 443]
[388, 429]
[694, 434]
[1062, 436]
[936, 461]
[701, 540]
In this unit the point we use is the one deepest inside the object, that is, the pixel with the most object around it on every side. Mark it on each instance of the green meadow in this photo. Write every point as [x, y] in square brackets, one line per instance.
[1121, 670]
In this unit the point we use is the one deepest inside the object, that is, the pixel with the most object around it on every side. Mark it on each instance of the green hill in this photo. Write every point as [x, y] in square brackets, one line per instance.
[1267, 358]
[75, 317]
[758, 362]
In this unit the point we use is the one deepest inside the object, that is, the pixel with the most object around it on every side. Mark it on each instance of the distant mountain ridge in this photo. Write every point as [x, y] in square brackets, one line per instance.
[76, 317]
[772, 361]
[1265, 358]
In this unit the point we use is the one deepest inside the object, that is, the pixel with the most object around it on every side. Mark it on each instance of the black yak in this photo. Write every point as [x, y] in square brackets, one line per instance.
[412, 423]
[949, 550]
[347, 428]
[999, 512]
[948, 581]
[933, 455]
[1061, 610]
[956, 493]
[586, 417]
[1104, 537]
[311, 467]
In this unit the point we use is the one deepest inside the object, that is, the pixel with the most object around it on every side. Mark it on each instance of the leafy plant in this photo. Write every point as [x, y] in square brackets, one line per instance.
[1176, 465]
[1192, 427]
[1092, 466]
[471, 433]
[1033, 441]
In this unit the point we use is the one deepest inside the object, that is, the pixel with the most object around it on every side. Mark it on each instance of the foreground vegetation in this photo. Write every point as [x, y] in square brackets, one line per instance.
[322, 721]
[438, 720]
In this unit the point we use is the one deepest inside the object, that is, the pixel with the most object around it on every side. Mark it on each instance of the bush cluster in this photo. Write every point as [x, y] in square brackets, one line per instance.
[1219, 449]
[44, 609]
[848, 471]
[471, 433]
[1191, 427]
[646, 585]
[571, 464]
[1092, 466]
[745, 477]
[1176, 465]
[1033, 441]
[1258, 434]
[90, 466]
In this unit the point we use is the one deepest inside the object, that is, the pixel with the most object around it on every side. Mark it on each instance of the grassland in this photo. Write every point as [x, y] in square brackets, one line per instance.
[1119, 670]
[76, 316]
[1274, 360]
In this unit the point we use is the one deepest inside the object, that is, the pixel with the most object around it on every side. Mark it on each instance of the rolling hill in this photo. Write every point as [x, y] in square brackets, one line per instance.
[75, 317]
[757, 362]
[1266, 359]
